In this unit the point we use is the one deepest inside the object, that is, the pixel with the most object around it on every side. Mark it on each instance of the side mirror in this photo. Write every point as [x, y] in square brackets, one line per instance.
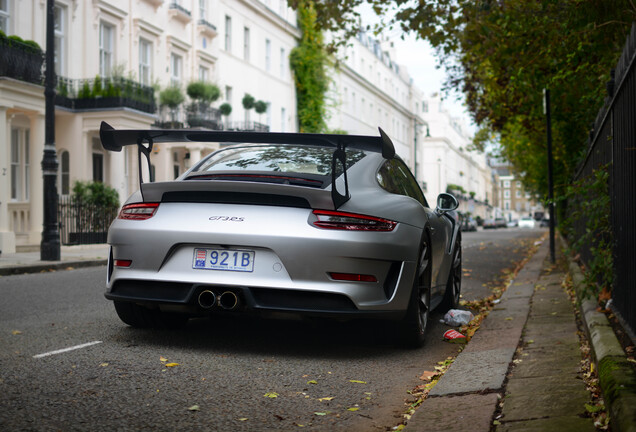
[446, 202]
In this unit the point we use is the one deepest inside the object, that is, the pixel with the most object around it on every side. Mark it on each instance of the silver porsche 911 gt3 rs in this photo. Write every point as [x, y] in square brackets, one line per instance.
[309, 224]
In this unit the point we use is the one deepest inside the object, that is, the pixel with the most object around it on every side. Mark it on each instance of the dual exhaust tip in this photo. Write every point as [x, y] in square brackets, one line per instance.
[227, 300]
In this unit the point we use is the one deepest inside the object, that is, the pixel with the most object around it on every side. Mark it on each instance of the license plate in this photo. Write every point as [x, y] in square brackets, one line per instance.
[223, 259]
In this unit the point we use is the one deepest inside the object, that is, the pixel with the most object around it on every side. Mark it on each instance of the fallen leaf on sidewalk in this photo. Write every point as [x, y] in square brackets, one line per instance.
[428, 375]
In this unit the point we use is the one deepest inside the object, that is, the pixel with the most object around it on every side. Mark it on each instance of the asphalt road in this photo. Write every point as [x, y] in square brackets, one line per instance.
[325, 376]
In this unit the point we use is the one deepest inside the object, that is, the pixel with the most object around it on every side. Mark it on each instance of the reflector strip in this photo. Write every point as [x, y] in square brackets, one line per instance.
[353, 277]
[123, 263]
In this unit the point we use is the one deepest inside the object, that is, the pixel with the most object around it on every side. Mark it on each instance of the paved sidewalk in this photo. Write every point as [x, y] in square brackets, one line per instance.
[71, 256]
[541, 387]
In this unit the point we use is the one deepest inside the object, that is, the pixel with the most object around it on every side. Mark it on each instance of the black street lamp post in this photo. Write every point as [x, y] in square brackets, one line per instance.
[548, 116]
[50, 246]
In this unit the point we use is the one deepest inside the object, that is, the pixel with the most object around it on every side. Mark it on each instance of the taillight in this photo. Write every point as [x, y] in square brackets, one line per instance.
[351, 222]
[139, 211]
[122, 263]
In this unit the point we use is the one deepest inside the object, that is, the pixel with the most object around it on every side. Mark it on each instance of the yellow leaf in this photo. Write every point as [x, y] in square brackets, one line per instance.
[326, 398]
[194, 408]
[16, 332]
[508, 318]
[163, 359]
[358, 382]
[312, 382]
[104, 364]
[353, 409]
[243, 419]
[172, 364]
[271, 395]
[320, 413]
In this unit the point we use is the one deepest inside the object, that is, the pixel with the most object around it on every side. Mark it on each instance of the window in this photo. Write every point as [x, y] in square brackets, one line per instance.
[65, 167]
[395, 177]
[425, 106]
[228, 33]
[353, 101]
[176, 166]
[106, 48]
[203, 6]
[145, 56]
[283, 119]
[204, 74]
[506, 183]
[283, 62]
[20, 138]
[176, 65]
[59, 28]
[268, 55]
[4, 16]
[518, 194]
[506, 194]
[246, 44]
[98, 161]
[518, 184]
[507, 205]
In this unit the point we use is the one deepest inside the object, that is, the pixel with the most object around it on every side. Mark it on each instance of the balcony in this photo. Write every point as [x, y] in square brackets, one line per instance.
[20, 60]
[206, 28]
[175, 10]
[100, 93]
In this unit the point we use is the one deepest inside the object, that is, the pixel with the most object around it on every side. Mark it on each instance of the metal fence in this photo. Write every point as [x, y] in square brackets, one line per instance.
[612, 142]
[82, 223]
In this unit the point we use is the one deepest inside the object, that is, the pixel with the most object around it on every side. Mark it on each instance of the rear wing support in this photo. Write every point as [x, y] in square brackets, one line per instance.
[114, 140]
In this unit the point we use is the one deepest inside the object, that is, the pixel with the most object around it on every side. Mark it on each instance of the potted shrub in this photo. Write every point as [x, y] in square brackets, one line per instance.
[172, 97]
[226, 110]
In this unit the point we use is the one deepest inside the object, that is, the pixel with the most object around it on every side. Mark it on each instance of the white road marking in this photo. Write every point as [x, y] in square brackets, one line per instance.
[60, 351]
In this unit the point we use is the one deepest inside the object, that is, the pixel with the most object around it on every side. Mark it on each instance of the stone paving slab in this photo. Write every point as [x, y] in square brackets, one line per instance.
[535, 406]
[541, 385]
[559, 424]
[457, 413]
[485, 340]
[474, 372]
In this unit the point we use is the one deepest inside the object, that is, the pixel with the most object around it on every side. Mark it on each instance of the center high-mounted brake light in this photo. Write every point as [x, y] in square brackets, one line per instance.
[139, 211]
[351, 222]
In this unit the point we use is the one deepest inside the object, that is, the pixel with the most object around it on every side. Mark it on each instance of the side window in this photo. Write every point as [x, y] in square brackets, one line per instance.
[395, 177]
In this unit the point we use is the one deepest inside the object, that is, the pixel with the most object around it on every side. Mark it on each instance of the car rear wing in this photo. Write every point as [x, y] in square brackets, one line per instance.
[114, 140]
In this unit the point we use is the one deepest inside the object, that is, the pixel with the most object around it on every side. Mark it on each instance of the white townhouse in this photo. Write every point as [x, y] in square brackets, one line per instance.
[446, 163]
[109, 55]
[370, 90]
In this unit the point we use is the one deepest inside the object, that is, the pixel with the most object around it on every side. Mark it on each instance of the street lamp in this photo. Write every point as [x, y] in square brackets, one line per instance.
[50, 245]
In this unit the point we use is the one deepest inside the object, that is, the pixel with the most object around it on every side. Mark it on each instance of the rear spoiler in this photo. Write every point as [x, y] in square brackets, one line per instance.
[114, 140]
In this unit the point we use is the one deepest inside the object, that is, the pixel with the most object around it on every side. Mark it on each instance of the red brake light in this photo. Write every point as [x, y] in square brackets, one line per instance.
[353, 277]
[122, 263]
[139, 211]
[352, 222]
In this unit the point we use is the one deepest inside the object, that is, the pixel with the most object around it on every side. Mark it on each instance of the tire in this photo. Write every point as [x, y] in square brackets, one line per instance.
[141, 317]
[412, 329]
[454, 283]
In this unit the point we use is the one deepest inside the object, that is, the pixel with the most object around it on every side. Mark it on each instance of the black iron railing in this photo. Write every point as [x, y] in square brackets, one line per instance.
[100, 93]
[611, 145]
[20, 60]
[82, 223]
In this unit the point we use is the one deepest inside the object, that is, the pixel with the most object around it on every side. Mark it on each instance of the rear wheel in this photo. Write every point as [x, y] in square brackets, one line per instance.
[412, 329]
[454, 283]
[141, 317]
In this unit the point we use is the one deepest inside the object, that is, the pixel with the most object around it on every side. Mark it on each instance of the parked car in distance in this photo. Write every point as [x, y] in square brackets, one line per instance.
[490, 224]
[526, 222]
[501, 223]
[545, 222]
[302, 225]
[513, 223]
[468, 224]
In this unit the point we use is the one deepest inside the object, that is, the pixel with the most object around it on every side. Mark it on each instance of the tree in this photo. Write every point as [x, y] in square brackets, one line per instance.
[226, 110]
[248, 103]
[501, 54]
[260, 107]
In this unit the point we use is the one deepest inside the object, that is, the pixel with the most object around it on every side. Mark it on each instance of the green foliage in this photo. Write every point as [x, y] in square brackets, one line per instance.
[171, 97]
[95, 193]
[588, 226]
[452, 188]
[18, 42]
[226, 109]
[502, 54]
[85, 91]
[260, 107]
[309, 61]
[248, 101]
[97, 86]
[203, 91]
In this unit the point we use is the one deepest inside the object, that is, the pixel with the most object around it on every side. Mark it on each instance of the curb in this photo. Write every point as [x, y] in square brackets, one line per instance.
[617, 378]
[63, 265]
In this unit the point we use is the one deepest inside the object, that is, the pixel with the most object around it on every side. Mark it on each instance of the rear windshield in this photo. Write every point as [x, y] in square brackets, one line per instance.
[276, 158]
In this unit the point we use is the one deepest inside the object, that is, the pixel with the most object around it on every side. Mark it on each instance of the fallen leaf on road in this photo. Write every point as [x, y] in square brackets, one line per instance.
[508, 318]
[312, 382]
[162, 359]
[358, 382]
[172, 364]
[427, 375]
[320, 413]
[16, 332]
[194, 408]
[326, 398]
[271, 395]
[104, 364]
[243, 419]
[353, 409]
